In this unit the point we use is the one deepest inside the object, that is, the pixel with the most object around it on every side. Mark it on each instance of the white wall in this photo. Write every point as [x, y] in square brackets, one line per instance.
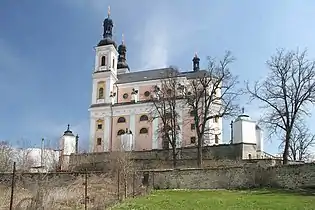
[69, 145]
[244, 132]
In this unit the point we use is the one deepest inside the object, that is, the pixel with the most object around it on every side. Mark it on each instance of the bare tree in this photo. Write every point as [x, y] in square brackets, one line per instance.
[211, 94]
[166, 101]
[6, 156]
[286, 93]
[302, 141]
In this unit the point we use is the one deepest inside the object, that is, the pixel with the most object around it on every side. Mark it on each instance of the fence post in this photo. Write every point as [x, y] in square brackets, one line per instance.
[118, 183]
[133, 184]
[85, 191]
[12, 187]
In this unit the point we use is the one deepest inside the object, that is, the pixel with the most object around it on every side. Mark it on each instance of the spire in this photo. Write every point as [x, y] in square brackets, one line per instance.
[122, 50]
[196, 62]
[108, 25]
[68, 132]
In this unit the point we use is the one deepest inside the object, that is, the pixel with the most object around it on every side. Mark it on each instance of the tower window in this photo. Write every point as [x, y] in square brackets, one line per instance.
[120, 132]
[103, 60]
[144, 118]
[146, 93]
[113, 62]
[192, 126]
[99, 126]
[144, 131]
[216, 139]
[101, 93]
[99, 141]
[192, 113]
[125, 96]
[121, 120]
[216, 119]
[193, 140]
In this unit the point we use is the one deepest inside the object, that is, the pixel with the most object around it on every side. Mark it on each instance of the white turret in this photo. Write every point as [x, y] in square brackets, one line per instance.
[244, 130]
[259, 142]
[68, 145]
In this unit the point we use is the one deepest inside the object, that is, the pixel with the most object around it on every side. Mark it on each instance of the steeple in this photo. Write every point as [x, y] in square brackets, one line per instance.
[122, 64]
[196, 62]
[68, 132]
[108, 25]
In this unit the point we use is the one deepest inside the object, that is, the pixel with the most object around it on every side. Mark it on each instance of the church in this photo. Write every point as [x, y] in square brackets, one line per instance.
[121, 101]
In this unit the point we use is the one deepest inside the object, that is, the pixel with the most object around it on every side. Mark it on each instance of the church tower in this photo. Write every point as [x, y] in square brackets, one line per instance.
[104, 78]
[122, 66]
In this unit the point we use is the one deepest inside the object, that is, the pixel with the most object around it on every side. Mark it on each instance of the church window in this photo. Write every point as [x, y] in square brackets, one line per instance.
[144, 118]
[121, 120]
[125, 96]
[99, 141]
[216, 119]
[103, 60]
[100, 126]
[100, 93]
[120, 132]
[192, 126]
[249, 156]
[193, 140]
[146, 93]
[144, 131]
[113, 62]
[216, 139]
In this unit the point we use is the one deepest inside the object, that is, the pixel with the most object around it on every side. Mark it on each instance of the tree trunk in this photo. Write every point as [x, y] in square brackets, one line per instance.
[174, 156]
[199, 152]
[286, 150]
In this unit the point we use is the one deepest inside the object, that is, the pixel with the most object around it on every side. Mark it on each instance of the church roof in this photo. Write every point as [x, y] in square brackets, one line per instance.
[155, 74]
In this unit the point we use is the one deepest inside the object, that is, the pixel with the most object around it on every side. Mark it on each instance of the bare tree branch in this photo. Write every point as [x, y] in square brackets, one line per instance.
[166, 100]
[210, 95]
[285, 93]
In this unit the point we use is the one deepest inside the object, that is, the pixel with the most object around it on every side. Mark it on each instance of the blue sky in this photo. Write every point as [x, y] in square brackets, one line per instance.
[47, 56]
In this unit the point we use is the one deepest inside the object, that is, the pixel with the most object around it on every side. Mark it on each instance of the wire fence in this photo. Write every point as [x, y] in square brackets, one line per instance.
[80, 190]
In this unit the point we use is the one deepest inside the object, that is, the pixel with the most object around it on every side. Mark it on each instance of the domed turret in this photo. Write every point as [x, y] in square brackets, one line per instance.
[122, 50]
[108, 25]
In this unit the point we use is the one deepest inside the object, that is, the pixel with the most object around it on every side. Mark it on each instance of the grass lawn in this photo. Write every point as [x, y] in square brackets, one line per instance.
[221, 199]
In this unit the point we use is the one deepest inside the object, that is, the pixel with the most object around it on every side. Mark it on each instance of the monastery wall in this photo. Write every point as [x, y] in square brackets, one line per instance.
[163, 158]
[236, 177]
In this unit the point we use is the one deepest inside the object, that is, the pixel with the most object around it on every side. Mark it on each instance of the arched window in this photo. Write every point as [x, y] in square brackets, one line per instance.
[101, 92]
[144, 118]
[120, 132]
[113, 62]
[103, 60]
[121, 120]
[144, 131]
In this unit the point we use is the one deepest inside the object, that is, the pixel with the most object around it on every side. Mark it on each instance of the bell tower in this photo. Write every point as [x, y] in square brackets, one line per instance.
[106, 59]
[104, 77]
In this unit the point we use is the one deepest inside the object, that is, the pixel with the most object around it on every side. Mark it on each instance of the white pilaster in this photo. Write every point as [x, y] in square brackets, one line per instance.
[155, 127]
[92, 134]
[132, 126]
[94, 92]
[107, 133]
[180, 133]
[108, 89]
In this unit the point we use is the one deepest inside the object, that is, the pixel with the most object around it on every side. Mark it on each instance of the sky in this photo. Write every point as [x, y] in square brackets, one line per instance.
[47, 55]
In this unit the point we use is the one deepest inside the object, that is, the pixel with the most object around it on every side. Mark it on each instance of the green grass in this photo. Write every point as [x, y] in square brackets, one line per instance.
[222, 199]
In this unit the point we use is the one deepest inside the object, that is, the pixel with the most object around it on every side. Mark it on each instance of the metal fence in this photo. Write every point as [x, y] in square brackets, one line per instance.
[80, 190]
